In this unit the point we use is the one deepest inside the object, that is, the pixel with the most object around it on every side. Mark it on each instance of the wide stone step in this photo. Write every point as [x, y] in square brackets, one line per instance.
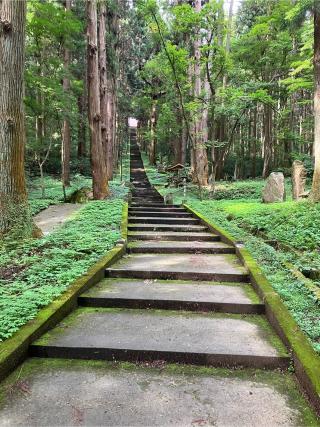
[172, 295]
[140, 335]
[161, 209]
[137, 170]
[145, 194]
[163, 214]
[146, 197]
[151, 200]
[171, 235]
[224, 268]
[165, 227]
[170, 214]
[166, 220]
[184, 247]
[64, 393]
[145, 188]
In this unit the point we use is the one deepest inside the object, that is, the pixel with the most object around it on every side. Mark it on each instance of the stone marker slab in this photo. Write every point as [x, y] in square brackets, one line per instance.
[274, 190]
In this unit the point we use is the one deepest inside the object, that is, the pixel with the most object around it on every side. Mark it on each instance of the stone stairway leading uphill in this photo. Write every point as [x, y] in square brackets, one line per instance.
[180, 295]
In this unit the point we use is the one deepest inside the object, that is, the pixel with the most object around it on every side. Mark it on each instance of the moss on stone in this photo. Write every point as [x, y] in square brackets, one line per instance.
[306, 360]
[14, 350]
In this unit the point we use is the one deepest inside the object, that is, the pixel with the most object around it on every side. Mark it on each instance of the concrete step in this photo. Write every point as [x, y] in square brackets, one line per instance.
[164, 214]
[184, 247]
[140, 335]
[171, 235]
[165, 227]
[91, 393]
[160, 208]
[172, 295]
[151, 200]
[145, 194]
[163, 220]
[217, 267]
[141, 201]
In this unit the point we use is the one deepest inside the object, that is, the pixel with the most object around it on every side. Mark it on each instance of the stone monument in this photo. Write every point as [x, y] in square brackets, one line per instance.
[274, 190]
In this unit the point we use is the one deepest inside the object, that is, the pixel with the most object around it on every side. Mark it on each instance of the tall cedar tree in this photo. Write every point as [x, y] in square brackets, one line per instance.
[102, 13]
[66, 134]
[98, 164]
[315, 192]
[13, 198]
[200, 159]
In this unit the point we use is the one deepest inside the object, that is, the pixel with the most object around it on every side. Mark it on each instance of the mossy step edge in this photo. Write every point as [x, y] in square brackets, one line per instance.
[306, 361]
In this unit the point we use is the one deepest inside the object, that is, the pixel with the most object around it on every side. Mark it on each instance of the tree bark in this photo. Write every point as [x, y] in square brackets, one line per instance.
[254, 145]
[152, 147]
[267, 123]
[315, 191]
[103, 80]
[98, 164]
[110, 114]
[200, 167]
[66, 133]
[14, 213]
[81, 128]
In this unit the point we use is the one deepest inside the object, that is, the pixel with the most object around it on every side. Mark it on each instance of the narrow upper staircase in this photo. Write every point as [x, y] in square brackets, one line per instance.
[180, 295]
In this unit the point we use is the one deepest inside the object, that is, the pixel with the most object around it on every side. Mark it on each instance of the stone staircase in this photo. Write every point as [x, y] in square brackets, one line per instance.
[179, 295]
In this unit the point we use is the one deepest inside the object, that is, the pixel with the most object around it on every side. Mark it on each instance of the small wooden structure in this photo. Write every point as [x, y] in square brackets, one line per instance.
[175, 168]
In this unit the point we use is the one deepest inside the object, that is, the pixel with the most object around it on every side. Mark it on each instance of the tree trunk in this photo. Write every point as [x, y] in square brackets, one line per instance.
[254, 150]
[66, 134]
[200, 167]
[81, 128]
[267, 122]
[14, 213]
[110, 113]
[315, 191]
[152, 147]
[103, 79]
[98, 164]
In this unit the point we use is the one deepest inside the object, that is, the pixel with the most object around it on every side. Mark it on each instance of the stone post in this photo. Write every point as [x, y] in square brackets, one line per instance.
[298, 179]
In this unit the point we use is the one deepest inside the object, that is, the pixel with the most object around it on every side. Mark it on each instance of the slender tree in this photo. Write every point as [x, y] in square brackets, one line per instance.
[315, 192]
[66, 134]
[200, 160]
[13, 198]
[98, 164]
[103, 78]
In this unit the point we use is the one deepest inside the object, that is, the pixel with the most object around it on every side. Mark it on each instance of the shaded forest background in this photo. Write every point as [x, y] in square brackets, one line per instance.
[248, 97]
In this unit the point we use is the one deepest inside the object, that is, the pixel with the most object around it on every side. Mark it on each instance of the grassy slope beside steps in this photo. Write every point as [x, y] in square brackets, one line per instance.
[35, 272]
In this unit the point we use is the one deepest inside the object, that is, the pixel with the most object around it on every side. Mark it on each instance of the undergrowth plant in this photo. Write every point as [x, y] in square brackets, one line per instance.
[35, 272]
[297, 297]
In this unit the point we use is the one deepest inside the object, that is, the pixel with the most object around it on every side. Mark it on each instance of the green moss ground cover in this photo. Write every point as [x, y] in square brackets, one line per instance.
[297, 297]
[35, 272]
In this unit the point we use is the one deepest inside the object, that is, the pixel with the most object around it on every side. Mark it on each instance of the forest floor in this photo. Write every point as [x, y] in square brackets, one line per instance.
[283, 237]
[36, 271]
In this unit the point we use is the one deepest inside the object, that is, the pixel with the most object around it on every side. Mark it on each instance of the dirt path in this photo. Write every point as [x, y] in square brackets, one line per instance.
[54, 216]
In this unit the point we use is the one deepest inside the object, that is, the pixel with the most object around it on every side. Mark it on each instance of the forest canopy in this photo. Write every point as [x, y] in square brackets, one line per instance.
[229, 90]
